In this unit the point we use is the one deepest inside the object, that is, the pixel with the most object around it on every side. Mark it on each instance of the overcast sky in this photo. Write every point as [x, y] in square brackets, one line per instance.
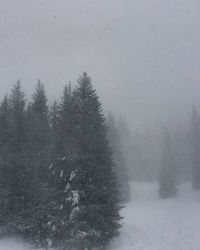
[143, 55]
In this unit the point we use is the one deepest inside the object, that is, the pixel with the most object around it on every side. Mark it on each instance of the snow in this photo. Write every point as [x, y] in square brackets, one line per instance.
[74, 213]
[72, 176]
[50, 166]
[14, 244]
[151, 223]
[75, 197]
[67, 187]
[61, 174]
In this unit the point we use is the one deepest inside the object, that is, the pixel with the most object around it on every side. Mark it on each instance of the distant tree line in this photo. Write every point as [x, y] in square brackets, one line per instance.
[59, 185]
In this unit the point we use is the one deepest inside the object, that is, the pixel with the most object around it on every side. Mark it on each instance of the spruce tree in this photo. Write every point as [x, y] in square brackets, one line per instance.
[118, 157]
[95, 208]
[125, 138]
[4, 125]
[54, 116]
[38, 152]
[17, 174]
[4, 154]
[167, 177]
[63, 161]
[38, 129]
[196, 149]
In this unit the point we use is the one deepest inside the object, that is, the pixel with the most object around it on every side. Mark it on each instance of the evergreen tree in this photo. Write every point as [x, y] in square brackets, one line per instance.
[126, 144]
[96, 207]
[4, 154]
[167, 177]
[196, 148]
[139, 170]
[54, 116]
[38, 152]
[118, 157]
[63, 159]
[4, 117]
[17, 171]
[38, 129]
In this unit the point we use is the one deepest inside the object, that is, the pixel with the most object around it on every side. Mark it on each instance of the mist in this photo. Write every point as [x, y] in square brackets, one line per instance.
[142, 56]
[139, 60]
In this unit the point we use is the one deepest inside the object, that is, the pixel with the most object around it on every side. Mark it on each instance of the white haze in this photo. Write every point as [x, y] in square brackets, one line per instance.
[143, 56]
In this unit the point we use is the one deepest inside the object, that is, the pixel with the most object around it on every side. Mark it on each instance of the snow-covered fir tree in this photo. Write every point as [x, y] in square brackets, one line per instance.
[63, 164]
[97, 220]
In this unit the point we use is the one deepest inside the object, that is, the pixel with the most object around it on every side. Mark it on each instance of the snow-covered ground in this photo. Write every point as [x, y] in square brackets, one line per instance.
[151, 223]
[13, 244]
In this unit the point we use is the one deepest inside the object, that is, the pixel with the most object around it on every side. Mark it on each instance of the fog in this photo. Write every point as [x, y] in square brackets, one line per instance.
[143, 56]
[67, 175]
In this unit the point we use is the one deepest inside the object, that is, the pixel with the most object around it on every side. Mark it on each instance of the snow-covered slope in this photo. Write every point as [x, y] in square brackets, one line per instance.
[151, 223]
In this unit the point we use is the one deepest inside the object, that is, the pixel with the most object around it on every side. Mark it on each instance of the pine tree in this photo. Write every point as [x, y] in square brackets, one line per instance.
[94, 213]
[167, 177]
[118, 157]
[196, 148]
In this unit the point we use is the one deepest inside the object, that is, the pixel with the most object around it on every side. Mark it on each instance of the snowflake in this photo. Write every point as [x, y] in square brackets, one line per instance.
[75, 197]
[61, 174]
[74, 212]
[51, 165]
[67, 188]
[73, 174]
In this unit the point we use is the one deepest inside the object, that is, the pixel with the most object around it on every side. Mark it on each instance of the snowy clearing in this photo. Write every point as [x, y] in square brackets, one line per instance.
[151, 223]
[155, 224]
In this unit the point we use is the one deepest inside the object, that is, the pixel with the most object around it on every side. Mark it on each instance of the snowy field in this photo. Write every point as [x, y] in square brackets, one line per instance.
[151, 223]
[154, 224]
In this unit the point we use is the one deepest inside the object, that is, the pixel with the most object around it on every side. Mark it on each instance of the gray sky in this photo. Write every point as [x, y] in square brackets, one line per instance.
[143, 55]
